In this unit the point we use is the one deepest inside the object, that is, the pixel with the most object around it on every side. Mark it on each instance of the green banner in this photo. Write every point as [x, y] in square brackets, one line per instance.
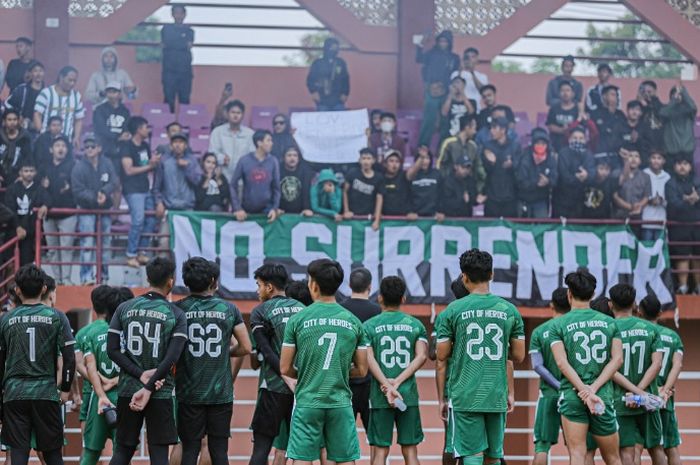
[530, 261]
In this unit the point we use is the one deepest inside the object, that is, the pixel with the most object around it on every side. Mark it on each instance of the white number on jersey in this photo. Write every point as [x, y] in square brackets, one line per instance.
[664, 362]
[475, 343]
[593, 346]
[629, 349]
[136, 332]
[203, 340]
[396, 351]
[332, 339]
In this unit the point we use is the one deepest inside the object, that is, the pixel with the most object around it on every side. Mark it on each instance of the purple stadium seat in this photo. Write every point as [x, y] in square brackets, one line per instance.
[410, 114]
[199, 140]
[523, 127]
[300, 110]
[159, 137]
[521, 116]
[88, 114]
[697, 128]
[194, 116]
[409, 128]
[157, 114]
[541, 119]
[262, 117]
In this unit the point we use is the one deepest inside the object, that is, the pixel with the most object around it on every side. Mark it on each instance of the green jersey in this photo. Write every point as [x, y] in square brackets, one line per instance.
[146, 325]
[95, 344]
[640, 339]
[670, 344]
[203, 373]
[587, 336]
[540, 343]
[393, 336]
[82, 346]
[325, 336]
[480, 328]
[270, 318]
[31, 336]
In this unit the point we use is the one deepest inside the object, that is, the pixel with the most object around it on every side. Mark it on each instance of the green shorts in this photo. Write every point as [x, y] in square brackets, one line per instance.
[381, 427]
[96, 430]
[87, 394]
[472, 433]
[282, 439]
[669, 426]
[547, 423]
[575, 410]
[312, 427]
[644, 429]
[591, 444]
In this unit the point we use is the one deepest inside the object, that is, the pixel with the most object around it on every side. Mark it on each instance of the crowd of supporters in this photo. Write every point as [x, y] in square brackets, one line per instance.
[594, 157]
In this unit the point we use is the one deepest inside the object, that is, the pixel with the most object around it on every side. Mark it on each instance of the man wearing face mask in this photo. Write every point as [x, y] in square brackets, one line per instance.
[535, 176]
[576, 171]
[328, 80]
[387, 140]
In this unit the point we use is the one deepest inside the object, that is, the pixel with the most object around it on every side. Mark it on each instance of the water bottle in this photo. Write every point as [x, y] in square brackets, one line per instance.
[650, 402]
[110, 414]
[599, 408]
[400, 405]
[636, 399]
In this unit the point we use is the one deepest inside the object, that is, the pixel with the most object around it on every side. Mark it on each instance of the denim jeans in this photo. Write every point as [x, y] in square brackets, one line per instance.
[537, 209]
[139, 203]
[330, 107]
[649, 234]
[62, 273]
[86, 224]
[431, 116]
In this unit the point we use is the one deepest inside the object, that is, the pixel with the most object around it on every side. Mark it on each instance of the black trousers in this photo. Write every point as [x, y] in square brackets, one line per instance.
[177, 84]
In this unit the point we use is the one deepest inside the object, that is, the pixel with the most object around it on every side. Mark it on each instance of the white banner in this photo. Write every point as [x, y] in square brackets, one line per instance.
[331, 136]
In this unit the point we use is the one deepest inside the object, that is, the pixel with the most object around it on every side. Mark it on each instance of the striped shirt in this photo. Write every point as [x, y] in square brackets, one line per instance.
[69, 107]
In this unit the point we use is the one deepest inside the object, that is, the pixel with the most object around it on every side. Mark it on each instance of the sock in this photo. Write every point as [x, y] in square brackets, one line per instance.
[122, 455]
[90, 457]
[158, 454]
[190, 452]
[218, 450]
[19, 456]
[261, 449]
[53, 457]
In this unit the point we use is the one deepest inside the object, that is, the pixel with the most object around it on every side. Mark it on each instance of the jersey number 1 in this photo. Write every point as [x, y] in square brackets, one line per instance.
[32, 344]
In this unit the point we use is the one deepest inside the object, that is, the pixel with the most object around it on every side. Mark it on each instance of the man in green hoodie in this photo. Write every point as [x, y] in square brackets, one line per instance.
[326, 196]
[678, 118]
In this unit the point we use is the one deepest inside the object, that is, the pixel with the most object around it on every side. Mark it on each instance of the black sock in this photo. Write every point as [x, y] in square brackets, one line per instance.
[53, 457]
[190, 452]
[19, 456]
[218, 450]
[158, 454]
[262, 444]
[122, 455]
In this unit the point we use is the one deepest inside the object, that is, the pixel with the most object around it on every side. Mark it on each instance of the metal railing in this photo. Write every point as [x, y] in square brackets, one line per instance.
[9, 264]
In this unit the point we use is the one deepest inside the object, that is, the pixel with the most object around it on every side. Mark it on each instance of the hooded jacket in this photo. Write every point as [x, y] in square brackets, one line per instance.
[87, 181]
[679, 124]
[569, 192]
[109, 123]
[12, 152]
[98, 80]
[438, 64]
[527, 175]
[174, 185]
[500, 181]
[676, 208]
[323, 203]
[329, 76]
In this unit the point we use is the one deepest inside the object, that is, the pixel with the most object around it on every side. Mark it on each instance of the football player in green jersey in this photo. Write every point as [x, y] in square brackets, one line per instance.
[268, 321]
[324, 345]
[154, 333]
[642, 357]
[588, 351]
[671, 364]
[203, 380]
[31, 338]
[547, 420]
[479, 332]
[103, 374]
[400, 343]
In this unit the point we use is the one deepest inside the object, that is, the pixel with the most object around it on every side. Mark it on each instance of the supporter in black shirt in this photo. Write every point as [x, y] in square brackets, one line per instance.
[15, 145]
[396, 191]
[359, 305]
[362, 192]
[561, 115]
[499, 156]
[17, 67]
[576, 170]
[213, 193]
[488, 96]
[295, 183]
[23, 97]
[607, 118]
[535, 175]
[42, 144]
[459, 190]
[177, 42]
[598, 195]
[426, 186]
[109, 121]
[630, 130]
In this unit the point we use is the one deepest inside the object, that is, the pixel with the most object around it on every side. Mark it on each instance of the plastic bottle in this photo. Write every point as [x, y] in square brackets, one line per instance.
[400, 405]
[599, 408]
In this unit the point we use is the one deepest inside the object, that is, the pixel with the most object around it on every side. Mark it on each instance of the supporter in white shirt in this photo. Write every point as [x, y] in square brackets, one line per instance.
[231, 141]
[474, 79]
[655, 210]
[61, 99]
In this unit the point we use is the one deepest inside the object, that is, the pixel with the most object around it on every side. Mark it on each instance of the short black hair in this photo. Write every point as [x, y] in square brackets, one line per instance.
[471, 49]
[487, 87]
[650, 307]
[12, 297]
[119, 296]
[328, 274]
[198, 273]
[622, 296]
[235, 103]
[465, 120]
[299, 291]
[30, 281]
[367, 151]
[259, 136]
[159, 271]
[581, 284]
[477, 265]
[35, 63]
[360, 279]
[634, 103]
[392, 289]
[388, 114]
[565, 82]
[458, 289]
[101, 296]
[24, 40]
[55, 118]
[605, 66]
[649, 83]
[66, 70]
[10, 111]
[560, 300]
[178, 7]
[602, 304]
[273, 273]
[174, 123]
[50, 284]
[134, 123]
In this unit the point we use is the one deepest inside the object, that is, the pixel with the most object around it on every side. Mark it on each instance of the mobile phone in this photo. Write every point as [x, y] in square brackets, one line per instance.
[228, 87]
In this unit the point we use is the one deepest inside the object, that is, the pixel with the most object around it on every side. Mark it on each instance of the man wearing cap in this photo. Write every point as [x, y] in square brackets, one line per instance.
[535, 176]
[94, 180]
[606, 119]
[594, 96]
[462, 145]
[109, 121]
[567, 69]
[499, 157]
[459, 189]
